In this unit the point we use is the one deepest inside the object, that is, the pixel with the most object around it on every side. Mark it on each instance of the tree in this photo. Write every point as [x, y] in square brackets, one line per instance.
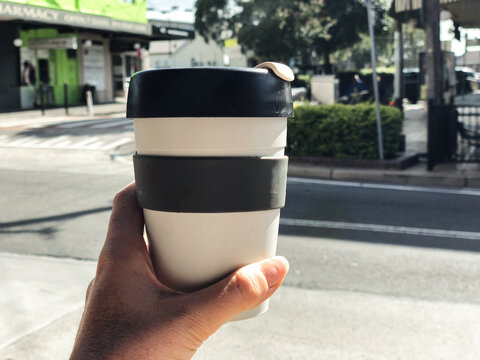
[350, 21]
[358, 55]
[284, 29]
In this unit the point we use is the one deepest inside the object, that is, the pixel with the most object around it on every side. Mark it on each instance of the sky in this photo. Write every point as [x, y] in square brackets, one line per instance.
[458, 47]
[167, 4]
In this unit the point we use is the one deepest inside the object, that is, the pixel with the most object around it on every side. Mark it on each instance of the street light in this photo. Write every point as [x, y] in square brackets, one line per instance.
[374, 79]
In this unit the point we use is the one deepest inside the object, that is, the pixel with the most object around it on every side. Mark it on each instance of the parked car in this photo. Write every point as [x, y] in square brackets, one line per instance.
[467, 80]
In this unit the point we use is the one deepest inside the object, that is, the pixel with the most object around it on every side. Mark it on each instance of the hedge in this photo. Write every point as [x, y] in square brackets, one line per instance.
[343, 131]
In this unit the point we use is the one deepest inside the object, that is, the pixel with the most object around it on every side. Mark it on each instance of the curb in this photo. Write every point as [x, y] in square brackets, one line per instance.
[385, 176]
[401, 162]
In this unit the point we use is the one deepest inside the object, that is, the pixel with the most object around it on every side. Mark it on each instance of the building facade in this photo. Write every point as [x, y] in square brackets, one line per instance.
[52, 51]
[192, 50]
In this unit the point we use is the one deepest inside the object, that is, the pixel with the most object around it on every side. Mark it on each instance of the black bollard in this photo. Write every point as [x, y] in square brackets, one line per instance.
[65, 98]
[42, 100]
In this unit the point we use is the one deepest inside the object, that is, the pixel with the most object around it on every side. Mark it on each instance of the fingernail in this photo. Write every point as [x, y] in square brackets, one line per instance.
[275, 270]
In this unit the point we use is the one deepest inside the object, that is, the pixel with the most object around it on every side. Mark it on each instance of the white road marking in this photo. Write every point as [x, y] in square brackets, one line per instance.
[62, 144]
[471, 192]
[96, 145]
[54, 141]
[451, 234]
[21, 141]
[86, 141]
[118, 143]
[33, 141]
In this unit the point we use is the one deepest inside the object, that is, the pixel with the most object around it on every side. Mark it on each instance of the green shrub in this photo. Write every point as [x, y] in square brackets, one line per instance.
[344, 131]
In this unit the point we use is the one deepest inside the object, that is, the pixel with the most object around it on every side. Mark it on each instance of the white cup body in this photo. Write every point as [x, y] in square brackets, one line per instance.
[193, 250]
[211, 136]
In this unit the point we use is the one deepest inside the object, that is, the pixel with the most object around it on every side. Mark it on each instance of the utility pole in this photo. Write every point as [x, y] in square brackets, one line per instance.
[398, 86]
[434, 56]
[374, 79]
[434, 71]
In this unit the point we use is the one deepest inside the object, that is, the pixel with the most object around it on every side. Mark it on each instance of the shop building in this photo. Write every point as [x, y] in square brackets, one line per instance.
[51, 52]
[189, 49]
[453, 121]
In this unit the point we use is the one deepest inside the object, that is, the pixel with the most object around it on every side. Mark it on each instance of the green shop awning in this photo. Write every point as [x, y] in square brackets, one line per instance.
[72, 19]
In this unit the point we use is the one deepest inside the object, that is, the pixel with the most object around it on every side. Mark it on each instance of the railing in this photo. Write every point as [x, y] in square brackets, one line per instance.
[468, 129]
[44, 97]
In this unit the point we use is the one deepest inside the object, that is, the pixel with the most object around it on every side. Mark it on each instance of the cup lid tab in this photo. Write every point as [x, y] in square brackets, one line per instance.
[281, 70]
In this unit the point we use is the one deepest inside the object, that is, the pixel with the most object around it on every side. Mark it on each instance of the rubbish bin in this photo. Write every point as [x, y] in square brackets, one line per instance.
[412, 84]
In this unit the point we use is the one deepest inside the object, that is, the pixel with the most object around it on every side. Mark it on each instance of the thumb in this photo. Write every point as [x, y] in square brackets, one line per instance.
[243, 290]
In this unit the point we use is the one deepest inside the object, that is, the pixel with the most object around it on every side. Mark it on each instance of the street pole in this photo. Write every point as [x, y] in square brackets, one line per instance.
[434, 71]
[434, 56]
[399, 83]
[65, 98]
[374, 79]
[42, 99]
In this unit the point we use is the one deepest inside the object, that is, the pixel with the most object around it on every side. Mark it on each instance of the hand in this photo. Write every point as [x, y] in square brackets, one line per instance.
[129, 314]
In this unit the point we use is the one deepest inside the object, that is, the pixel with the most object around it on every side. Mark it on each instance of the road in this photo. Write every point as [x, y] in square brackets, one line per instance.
[370, 263]
[97, 134]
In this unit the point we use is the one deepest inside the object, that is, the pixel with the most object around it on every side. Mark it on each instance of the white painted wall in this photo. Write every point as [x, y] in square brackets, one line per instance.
[189, 53]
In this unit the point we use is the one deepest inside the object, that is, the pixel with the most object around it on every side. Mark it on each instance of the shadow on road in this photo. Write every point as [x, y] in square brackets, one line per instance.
[80, 128]
[67, 216]
[45, 231]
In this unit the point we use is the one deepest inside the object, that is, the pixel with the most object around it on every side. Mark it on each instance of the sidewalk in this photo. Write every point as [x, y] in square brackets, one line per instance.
[99, 109]
[21, 118]
[44, 299]
[41, 305]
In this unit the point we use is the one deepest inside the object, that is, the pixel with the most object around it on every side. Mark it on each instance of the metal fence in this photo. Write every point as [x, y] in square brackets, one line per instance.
[468, 129]
[44, 97]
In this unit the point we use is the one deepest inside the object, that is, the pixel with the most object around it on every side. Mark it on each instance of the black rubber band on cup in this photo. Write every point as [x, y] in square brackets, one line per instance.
[210, 184]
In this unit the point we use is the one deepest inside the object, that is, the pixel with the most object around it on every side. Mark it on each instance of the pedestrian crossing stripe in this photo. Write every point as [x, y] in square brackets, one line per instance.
[62, 142]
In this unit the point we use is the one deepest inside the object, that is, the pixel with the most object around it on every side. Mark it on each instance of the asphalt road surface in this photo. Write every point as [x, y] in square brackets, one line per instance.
[349, 244]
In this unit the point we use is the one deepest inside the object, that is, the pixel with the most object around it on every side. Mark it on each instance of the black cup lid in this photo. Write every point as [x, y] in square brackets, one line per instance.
[208, 92]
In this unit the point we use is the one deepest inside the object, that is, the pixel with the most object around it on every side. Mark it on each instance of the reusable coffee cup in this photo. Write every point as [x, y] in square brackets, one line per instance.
[210, 168]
